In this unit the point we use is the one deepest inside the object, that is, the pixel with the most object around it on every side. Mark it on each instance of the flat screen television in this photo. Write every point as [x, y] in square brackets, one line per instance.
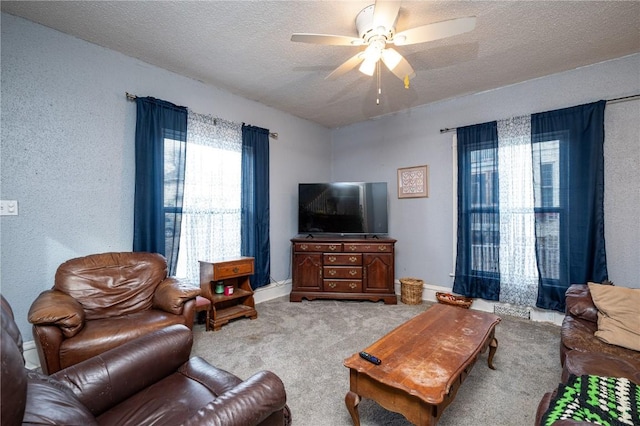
[342, 208]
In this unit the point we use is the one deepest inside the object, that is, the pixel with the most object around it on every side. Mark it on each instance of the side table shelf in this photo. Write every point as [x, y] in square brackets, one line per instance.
[240, 303]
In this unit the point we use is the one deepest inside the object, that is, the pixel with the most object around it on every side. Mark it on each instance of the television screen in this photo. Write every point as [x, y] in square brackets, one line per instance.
[342, 208]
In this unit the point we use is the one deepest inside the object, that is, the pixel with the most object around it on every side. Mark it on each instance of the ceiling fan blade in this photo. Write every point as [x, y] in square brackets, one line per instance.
[385, 14]
[435, 31]
[397, 64]
[348, 65]
[334, 40]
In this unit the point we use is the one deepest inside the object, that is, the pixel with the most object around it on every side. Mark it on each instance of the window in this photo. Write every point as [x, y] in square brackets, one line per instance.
[485, 222]
[548, 210]
[485, 226]
[542, 229]
[211, 210]
[226, 176]
[546, 185]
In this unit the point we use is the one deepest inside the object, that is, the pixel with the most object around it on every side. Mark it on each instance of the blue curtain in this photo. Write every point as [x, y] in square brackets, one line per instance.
[580, 131]
[161, 128]
[568, 171]
[477, 272]
[255, 202]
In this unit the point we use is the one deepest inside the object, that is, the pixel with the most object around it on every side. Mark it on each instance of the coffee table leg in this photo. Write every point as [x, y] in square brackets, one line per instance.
[352, 400]
[493, 346]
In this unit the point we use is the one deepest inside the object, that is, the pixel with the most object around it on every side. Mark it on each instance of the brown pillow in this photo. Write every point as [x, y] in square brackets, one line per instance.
[618, 315]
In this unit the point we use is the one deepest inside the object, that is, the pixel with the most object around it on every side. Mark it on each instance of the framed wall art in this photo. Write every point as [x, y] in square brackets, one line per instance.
[413, 182]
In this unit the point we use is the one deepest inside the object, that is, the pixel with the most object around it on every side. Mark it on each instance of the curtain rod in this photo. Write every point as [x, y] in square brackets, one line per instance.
[609, 101]
[133, 98]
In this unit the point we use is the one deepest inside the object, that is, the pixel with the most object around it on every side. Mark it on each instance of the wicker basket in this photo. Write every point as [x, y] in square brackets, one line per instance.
[450, 299]
[411, 291]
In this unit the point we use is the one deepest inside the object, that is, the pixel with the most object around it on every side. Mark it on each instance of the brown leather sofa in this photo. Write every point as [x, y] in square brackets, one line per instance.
[148, 380]
[103, 300]
[582, 353]
[580, 324]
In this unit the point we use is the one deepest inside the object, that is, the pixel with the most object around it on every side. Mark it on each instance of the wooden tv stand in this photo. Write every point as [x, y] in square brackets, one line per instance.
[351, 268]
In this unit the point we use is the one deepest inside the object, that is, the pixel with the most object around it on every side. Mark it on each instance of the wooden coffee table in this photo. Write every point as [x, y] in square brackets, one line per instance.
[424, 362]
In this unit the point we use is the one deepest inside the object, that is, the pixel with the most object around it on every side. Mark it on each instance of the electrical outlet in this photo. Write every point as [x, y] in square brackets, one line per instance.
[8, 207]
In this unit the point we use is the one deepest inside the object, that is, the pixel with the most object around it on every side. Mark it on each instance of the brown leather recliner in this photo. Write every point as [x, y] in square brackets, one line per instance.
[148, 380]
[101, 301]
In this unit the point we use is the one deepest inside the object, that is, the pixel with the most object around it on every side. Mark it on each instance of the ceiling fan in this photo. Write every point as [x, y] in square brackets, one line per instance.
[376, 30]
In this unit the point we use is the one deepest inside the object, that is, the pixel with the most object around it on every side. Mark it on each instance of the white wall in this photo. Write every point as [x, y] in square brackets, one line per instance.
[374, 150]
[67, 153]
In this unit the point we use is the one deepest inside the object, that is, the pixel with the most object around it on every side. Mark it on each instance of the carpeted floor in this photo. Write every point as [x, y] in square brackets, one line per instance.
[305, 344]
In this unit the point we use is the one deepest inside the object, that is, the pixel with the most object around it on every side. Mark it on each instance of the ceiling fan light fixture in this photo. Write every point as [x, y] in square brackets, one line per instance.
[374, 50]
[391, 58]
[368, 66]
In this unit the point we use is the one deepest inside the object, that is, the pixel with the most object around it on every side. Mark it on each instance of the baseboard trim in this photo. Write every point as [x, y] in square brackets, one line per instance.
[539, 315]
[30, 353]
[272, 291]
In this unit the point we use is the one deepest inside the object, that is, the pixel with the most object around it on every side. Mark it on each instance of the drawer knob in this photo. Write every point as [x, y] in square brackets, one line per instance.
[353, 285]
[353, 272]
[353, 259]
[382, 248]
[352, 248]
[304, 246]
[235, 270]
[332, 259]
[317, 247]
[332, 247]
[332, 285]
[332, 272]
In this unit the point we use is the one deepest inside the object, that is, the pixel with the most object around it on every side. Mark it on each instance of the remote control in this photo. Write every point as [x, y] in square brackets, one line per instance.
[370, 358]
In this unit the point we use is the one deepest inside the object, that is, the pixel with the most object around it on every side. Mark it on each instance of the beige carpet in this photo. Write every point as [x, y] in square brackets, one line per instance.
[305, 344]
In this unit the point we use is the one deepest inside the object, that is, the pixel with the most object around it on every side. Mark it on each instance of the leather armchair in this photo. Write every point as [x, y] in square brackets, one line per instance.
[101, 301]
[148, 380]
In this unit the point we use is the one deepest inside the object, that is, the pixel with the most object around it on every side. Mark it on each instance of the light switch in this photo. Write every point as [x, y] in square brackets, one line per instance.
[8, 207]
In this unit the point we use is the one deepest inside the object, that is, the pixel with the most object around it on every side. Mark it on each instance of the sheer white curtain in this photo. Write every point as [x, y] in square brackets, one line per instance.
[211, 207]
[518, 270]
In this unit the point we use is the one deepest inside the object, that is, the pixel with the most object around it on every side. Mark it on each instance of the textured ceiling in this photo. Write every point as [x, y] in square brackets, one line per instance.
[244, 46]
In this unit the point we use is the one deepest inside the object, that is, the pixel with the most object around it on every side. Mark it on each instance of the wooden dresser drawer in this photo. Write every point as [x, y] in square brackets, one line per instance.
[343, 259]
[350, 272]
[231, 269]
[368, 248]
[318, 247]
[342, 286]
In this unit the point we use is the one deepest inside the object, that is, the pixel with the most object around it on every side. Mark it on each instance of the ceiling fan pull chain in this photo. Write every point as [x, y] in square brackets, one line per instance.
[379, 87]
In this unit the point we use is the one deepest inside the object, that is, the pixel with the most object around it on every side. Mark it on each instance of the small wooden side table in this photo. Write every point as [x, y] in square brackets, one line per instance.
[232, 272]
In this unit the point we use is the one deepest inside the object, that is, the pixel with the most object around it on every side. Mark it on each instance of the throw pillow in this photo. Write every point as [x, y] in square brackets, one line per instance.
[618, 315]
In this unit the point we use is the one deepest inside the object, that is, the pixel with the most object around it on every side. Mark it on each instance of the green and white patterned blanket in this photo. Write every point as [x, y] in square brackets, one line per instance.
[607, 401]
